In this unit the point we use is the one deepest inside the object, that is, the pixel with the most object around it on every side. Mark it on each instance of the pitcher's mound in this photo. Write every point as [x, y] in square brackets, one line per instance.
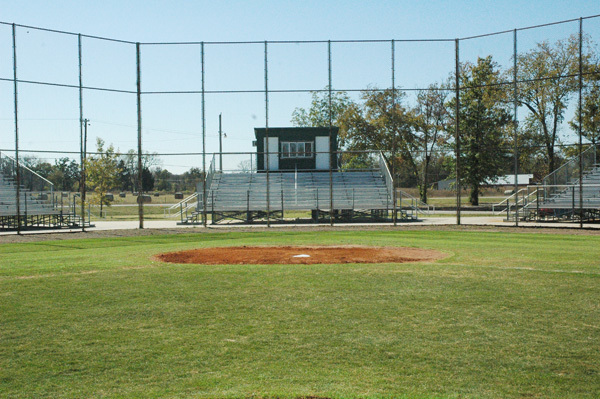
[300, 255]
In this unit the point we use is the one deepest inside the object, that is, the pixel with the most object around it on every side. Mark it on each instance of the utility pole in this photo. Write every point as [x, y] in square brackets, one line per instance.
[220, 145]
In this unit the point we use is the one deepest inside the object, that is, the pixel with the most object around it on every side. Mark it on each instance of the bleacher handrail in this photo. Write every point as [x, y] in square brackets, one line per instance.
[387, 175]
[417, 204]
[26, 168]
[571, 162]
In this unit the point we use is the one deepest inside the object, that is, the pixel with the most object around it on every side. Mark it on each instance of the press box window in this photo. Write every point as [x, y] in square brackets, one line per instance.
[296, 149]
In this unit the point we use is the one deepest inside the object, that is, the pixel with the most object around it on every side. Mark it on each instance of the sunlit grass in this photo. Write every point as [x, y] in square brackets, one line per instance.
[504, 315]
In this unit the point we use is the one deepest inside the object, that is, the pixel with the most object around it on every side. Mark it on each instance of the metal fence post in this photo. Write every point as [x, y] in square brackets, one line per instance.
[515, 123]
[204, 188]
[212, 206]
[400, 203]
[139, 136]
[580, 121]
[18, 171]
[394, 213]
[331, 212]
[537, 203]
[81, 136]
[573, 202]
[457, 132]
[267, 153]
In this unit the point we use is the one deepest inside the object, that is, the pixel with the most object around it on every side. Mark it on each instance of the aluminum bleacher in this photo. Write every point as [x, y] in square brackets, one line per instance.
[37, 206]
[345, 195]
[570, 201]
[298, 191]
[243, 196]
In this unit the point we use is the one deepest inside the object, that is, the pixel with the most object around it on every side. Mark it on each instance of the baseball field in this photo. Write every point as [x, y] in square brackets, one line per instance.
[499, 314]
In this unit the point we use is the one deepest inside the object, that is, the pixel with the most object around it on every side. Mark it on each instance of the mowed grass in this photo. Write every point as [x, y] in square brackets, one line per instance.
[504, 315]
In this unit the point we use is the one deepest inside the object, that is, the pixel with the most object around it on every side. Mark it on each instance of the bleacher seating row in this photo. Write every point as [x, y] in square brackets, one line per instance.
[30, 203]
[298, 191]
[568, 197]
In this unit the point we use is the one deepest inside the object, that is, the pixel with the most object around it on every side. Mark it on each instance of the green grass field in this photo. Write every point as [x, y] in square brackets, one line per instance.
[505, 315]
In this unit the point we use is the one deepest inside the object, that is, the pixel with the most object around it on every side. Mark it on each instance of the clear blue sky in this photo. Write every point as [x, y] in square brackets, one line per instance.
[172, 123]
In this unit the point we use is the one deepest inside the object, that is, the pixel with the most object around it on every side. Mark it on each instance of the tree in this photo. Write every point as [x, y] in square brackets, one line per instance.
[147, 180]
[382, 122]
[377, 122]
[129, 169]
[162, 179]
[64, 174]
[590, 108]
[484, 121]
[318, 113]
[245, 166]
[43, 169]
[126, 181]
[191, 178]
[102, 172]
[431, 120]
[547, 75]
[532, 156]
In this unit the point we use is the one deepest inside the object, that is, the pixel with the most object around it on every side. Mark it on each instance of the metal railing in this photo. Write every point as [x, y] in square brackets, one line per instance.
[564, 201]
[517, 201]
[387, 175]
[31, 180]
[405, 200]
[36, 194]
[568, 173]
[182, 206]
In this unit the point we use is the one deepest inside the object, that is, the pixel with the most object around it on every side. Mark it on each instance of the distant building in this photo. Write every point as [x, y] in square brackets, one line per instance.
[297, 148]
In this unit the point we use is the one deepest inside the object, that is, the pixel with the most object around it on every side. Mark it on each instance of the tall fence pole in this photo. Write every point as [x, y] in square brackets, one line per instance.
[394, 212]
[81, 139]
[580, 121]
[457, 132]
[220, 143]
[331, 213]
[267, 154]
[139, 135]
[515, 127]
[204, 199]
[17, 166]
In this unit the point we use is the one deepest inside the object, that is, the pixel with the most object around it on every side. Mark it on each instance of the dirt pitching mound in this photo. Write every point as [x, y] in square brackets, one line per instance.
[247, 255]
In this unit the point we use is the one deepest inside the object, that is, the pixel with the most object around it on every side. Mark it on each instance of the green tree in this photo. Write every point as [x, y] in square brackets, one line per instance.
[548, 81]
[342, 108]
[102, 172]
[484, 121]
[129, 170]
[147, 180]
[590, 108]
[382, 122]
[64, 174]
[162, 178]
[378, 121]
[431, 120]
[318, 113]
[191, 178]
[42, 168]
[126, 181]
